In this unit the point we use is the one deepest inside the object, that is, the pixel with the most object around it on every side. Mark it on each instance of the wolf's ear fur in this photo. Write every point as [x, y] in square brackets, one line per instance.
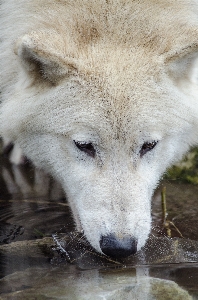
[42, 54]
[184, 70]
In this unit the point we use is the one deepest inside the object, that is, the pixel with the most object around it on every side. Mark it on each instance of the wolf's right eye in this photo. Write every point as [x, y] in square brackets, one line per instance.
[88, 148]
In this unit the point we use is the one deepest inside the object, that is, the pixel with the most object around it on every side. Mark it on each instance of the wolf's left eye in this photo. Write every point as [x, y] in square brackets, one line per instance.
[88, 148]
[147, 146]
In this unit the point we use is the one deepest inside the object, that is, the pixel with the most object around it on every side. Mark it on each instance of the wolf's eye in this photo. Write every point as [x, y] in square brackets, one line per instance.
[147, 146]
[88, 148]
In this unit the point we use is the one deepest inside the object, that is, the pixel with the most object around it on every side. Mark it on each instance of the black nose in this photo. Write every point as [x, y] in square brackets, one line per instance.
[118, 248]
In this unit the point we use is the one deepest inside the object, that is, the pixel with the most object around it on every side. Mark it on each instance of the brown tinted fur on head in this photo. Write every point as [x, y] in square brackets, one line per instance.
[89, 27]
[87, 35]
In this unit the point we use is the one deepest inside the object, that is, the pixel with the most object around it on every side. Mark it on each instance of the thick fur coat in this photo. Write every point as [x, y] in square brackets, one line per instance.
[104, 95]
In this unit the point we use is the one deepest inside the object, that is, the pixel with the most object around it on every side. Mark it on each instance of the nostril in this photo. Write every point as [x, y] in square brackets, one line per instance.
[118, 248]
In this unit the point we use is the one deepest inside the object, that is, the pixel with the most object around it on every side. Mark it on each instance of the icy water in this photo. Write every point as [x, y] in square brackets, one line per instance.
[42, 257]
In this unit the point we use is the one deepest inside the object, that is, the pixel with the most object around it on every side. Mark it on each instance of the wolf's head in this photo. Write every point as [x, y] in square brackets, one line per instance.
[106, 115]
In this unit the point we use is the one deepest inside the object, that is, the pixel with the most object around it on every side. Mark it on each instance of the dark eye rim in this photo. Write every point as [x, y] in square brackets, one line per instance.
[87, 148]
[147, 146]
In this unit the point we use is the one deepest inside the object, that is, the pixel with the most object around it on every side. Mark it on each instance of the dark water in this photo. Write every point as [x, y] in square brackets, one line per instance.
[42, 257]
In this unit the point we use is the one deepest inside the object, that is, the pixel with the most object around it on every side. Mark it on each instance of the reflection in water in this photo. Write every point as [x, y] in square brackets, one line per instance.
[42, 257]
[69, 283]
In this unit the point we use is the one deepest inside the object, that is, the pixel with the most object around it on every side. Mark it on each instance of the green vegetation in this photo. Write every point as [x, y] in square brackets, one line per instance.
[186, 170]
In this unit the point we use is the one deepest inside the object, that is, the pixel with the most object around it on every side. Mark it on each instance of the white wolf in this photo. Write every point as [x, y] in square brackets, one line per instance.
[104, 95]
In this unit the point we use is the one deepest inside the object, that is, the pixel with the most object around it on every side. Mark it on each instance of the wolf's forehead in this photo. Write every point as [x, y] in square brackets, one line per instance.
[115, 118]
[124, 115]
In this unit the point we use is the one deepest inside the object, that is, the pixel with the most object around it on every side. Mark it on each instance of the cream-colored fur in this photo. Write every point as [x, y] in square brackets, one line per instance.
[118, 74]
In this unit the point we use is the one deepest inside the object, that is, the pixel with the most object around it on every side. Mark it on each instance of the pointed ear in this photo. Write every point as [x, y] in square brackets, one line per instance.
[184, 71]
[43, 56]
